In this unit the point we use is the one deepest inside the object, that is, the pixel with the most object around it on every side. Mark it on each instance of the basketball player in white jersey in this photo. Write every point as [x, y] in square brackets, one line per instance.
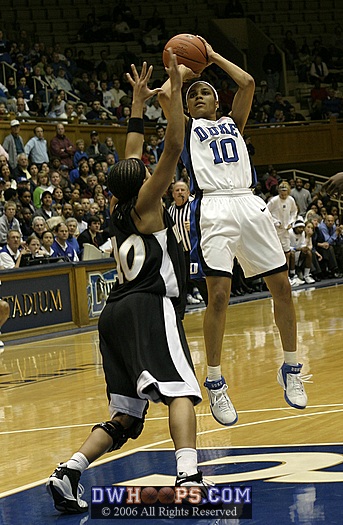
[227, 220]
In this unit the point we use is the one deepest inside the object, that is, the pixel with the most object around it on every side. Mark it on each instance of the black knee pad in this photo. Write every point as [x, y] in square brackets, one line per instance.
[118, 433]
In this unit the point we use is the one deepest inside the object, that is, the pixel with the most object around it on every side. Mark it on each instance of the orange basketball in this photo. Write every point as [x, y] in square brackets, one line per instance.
[149, 495]
[189, 50]
[166, 495]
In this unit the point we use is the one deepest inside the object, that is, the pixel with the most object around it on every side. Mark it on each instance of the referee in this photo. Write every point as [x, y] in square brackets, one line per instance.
[180, 213]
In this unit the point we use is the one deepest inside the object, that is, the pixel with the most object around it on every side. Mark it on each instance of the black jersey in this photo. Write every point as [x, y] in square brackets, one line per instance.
[152, 263]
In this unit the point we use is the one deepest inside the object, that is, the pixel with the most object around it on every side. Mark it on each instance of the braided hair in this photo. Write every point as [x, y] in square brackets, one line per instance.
[125, 179]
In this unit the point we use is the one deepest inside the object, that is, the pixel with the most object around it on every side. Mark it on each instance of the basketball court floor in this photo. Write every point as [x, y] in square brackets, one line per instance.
[53, 392]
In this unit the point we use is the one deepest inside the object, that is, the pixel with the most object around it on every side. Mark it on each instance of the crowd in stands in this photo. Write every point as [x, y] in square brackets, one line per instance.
[57, 192]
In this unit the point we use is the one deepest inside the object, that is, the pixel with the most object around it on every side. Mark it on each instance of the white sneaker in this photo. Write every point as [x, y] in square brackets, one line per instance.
[197, 295]
[221, 406]
[309, 279]
[2, 344]
[291, 380]
[191, 299]
[294, 281]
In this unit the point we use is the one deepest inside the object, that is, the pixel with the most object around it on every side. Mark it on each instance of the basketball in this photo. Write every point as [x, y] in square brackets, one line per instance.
[189, 50]
[166, 495]
[149, 495]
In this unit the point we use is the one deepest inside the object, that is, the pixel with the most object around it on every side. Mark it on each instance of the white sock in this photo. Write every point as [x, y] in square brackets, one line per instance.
[292, 273]
[78, 461]
[291, 358]
[186, 461]
[214, 373]
[306, 272]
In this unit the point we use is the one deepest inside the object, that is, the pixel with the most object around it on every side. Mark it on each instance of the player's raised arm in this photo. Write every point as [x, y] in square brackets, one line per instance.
[246, 86]
[334, 186]
[164, 95]
[156, 185]
[141, 93]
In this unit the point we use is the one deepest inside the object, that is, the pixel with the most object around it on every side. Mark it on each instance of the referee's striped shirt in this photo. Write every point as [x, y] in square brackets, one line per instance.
[180, 215]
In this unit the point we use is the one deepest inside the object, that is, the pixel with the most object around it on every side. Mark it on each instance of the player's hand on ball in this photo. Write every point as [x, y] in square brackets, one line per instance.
[209, 50]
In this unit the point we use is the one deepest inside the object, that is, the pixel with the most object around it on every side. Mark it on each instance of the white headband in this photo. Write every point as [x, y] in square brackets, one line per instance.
[202, 82]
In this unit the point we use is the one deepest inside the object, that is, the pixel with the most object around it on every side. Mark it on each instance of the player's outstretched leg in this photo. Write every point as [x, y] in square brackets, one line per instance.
[63, 484]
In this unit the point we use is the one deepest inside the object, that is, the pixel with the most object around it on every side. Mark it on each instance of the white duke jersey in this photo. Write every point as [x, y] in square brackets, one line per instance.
[216, 156]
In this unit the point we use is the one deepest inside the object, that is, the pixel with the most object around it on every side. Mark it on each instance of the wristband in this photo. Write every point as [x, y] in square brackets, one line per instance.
[136, 125]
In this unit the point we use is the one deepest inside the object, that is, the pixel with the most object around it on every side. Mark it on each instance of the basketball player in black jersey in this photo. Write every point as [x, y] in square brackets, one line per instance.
[143, 345]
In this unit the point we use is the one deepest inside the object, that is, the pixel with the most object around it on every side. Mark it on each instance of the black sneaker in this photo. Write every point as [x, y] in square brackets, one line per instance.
[196, 480]
[64, 488]
[189, 481]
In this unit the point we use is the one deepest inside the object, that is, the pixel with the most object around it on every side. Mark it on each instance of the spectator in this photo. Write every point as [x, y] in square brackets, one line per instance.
[96, 149]
[111, 148]
[8, 221]
[31, 251]
[50, 79]
[272, 66]
[71, 224]
[117, 93]
[39, 226]
[62, 80]
[26, 223]
[107, 97]
[277, 118]
[94, 114]
[79, 152]
[56, 107]
[80, 112]
[10, 255]
[289, 45]
[328, 263]
[92, 234]
[25, 199]
[36, 107]
[284, 212]
[61, 147]
[57, 197]
[79, 216]
[332, 105]
[36, 148]
[92, 93]
[301, 196]
[152, 147]
[46, 210]
[89, 191]
[21, 171]
[125, 116]
[14, 144]
[272, 182]
[330, 233]
[61, 246]
[55, 181]
[121, 31]
[43, 180]
[301, 254]
[280, 103]
[154, 110]
[46, 243]
[22, 109]
[319, 70]
[316, 257]
[294, 116]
